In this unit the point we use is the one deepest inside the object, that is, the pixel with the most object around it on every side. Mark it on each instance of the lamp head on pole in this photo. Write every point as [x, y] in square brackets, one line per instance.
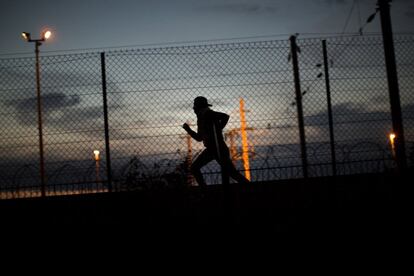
[96, 155]
[46, 34]
[392, 138]
[26, 36]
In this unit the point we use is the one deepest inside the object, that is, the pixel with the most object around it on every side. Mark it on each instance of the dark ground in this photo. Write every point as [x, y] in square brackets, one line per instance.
[372, 202]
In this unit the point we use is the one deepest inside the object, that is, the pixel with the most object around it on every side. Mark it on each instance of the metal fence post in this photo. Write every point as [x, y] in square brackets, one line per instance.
[298, 91]
[105, 110]
[328, 98]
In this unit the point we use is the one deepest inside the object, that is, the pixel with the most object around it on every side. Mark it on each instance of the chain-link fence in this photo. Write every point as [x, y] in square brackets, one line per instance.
[149, 95]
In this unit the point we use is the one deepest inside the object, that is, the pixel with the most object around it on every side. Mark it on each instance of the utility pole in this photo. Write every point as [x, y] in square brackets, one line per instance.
[106, 123]
[329, 103]
[301, 123]
[393, 88]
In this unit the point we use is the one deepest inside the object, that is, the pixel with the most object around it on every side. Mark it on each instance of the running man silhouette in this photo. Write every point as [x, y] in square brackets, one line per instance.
[210, 126]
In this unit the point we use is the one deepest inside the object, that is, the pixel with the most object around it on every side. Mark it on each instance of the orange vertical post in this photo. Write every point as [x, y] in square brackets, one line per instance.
[245, 145]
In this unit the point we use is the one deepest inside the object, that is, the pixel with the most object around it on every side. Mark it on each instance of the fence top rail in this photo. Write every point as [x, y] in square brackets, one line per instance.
[159, 48]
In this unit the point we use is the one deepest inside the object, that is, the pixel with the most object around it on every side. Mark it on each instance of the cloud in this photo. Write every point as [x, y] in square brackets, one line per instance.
[345, 2]
[380, 99]
[355, 121]
[341, 112]
[333, 2]
[51, 103]
[408, 110]
[410, 12]
[243, 8]
[337, 1]
[59, 110]
[351, 121]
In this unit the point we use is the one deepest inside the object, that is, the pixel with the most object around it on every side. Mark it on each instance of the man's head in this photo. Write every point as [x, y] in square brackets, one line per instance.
[200, 102]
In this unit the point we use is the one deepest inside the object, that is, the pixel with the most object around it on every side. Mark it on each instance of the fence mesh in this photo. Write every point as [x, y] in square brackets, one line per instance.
[405, 59]
[150, 94]
[360, 104]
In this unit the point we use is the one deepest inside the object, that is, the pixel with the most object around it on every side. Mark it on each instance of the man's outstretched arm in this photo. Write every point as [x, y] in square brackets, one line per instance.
[192, 133]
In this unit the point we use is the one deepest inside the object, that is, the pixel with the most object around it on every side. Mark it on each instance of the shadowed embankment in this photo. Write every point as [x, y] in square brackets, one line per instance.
[346, 203]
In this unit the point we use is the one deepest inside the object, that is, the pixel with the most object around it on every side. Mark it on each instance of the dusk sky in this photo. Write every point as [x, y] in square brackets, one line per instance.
[151, 87]
[84, 24]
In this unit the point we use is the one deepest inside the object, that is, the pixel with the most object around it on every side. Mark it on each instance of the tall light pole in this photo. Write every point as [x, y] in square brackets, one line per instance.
[393, 86]
[96, 155]
[38, 42]
[245, 145]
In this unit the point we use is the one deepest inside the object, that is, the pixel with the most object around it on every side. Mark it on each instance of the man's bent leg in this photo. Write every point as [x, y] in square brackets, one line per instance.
[236, 175]
[204, 158]
[229, 168]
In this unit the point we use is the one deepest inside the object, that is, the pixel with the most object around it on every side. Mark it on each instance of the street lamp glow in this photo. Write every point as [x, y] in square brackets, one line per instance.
[47, 34]
[38, 42]
[392, 138]
[97, 159]
[96, 155]
[26, 36]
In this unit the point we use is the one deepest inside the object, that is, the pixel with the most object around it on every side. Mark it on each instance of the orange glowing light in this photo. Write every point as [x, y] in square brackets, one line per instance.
[245, 146]
[96, 155]
[392, 138]
[47, 34]
[26, 36]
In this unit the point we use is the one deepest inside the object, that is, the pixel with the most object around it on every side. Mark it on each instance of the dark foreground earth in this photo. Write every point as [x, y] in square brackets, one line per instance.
[372, 202]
